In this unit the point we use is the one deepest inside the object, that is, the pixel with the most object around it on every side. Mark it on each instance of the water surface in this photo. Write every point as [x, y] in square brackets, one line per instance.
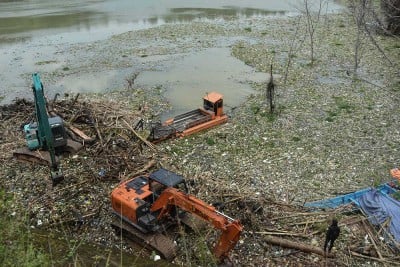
[25, 19]
[33, 35]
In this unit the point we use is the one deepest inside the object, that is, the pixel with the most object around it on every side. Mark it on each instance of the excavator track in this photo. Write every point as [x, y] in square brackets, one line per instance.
[153, 241]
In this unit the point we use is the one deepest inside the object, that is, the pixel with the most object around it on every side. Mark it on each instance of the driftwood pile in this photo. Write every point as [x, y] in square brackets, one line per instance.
[275, 233]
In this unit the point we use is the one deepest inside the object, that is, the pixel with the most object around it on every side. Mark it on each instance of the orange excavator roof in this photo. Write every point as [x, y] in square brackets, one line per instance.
[213, 97]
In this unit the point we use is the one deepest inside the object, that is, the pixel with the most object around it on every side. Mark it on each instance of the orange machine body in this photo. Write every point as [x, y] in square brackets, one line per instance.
[126, 202]
[149, 202]
[210, 115]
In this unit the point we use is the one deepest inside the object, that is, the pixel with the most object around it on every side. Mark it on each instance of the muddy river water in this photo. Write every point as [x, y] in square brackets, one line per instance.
[31, 32]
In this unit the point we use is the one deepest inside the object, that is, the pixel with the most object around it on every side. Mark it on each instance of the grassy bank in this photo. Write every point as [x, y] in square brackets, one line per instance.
[16, 244]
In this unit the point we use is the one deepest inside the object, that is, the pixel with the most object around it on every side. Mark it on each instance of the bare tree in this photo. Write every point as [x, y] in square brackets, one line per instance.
[391, 11]
[271, 93]
[358, 10]
[131, 80]
[294, 46]
[312, 22]
[363, 11]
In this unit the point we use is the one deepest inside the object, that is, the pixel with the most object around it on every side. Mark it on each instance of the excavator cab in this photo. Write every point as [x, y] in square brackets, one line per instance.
[213, 102]
[162, 178]
[133, 198]
[57, 129]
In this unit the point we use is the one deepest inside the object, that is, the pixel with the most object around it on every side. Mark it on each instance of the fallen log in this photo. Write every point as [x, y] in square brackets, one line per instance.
[290, 244]
[81, 134]
[394, 263]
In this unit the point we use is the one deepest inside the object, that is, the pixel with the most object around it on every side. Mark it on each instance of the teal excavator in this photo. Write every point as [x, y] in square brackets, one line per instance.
[45, 136]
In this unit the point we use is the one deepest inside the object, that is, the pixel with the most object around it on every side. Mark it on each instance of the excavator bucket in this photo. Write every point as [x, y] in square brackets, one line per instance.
[43, 157]
[56, 176]
[33, 156]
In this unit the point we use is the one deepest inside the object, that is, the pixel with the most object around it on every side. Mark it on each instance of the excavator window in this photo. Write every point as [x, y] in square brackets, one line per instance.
[208, 105]
[137, 184]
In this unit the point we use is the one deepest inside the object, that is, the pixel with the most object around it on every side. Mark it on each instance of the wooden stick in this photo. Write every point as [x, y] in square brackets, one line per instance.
[300, 214]
[352, 220]
[373, 241]
[305, 227]
[384, 224]
[290, 244]
[96, 127]
[374, 259]
[74, 101]
[141, 138]
[80, 133]
[280, 233]
[308, 222]
[150, 164]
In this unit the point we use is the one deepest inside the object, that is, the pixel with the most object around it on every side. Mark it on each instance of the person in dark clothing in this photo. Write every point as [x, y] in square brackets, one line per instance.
[331, 235]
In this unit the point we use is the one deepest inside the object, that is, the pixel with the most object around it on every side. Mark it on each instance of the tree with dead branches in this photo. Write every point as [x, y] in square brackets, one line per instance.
[364, 13]
[294, 46]
[391, 12]
[312, 20]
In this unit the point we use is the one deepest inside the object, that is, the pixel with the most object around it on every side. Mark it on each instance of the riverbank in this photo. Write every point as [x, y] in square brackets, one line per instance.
[331, 134]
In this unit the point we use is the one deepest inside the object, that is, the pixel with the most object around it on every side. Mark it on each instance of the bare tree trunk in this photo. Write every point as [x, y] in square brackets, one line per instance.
[271, 93]
[293, 47]
[359, 10]
[310, 29]
[290, 244]
[357, 46]
[311, 26]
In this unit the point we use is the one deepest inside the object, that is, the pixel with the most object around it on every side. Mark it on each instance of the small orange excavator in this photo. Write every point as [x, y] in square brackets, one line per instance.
[147, 205]
[210, 115]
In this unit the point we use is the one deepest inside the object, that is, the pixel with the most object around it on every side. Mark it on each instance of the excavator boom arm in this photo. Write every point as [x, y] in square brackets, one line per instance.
[45, 135]
[231, 229]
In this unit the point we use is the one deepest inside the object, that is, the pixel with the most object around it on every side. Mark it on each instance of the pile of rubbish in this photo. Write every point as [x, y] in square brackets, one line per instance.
[275, 232]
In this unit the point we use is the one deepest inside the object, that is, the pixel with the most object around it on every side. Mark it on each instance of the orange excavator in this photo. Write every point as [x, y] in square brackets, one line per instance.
[147, 205]
[210, 115]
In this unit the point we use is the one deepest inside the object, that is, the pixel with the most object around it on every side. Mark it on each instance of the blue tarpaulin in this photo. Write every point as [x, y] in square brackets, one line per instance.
[379, 207]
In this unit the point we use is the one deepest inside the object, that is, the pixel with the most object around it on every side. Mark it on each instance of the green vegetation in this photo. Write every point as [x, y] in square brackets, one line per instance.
[396, 195]
[342, 105]
[296, 138]
[255, 108]
[45, 62]
[210, 141]
[16, 246]
[65, 69]
[338, 43]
